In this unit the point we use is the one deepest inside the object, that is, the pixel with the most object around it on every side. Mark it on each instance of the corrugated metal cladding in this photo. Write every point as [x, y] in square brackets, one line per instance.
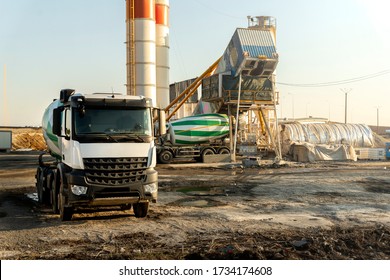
[177, 88]
[257, 42]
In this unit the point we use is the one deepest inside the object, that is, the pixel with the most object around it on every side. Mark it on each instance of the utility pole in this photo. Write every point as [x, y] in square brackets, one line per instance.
[377, 120]
[5, 123]
[346, 91]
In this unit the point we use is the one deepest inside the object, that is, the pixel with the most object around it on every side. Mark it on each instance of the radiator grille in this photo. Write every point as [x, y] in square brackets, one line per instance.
[115, 171]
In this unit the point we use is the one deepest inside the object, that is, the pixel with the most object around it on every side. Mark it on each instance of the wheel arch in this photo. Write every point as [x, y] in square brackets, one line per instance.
[208, 148]
[222, 149]
[165, 148]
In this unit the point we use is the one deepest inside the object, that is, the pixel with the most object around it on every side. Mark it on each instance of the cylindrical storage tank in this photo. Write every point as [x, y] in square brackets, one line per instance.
[162, 52]
[141, 48]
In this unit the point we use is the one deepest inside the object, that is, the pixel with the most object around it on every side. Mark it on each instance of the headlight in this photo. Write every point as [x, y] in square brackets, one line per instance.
[79, 190]
[150, 188]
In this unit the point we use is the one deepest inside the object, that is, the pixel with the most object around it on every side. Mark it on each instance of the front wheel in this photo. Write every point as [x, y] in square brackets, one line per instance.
[165, 157]
[53, 192]
[141, 209]
[66, 212]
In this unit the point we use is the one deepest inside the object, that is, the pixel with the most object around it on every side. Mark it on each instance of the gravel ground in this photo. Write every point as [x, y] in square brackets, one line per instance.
[332, 210]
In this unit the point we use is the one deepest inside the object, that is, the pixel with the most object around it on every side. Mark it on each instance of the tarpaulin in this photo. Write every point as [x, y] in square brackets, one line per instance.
[306, 152]
[355, 135]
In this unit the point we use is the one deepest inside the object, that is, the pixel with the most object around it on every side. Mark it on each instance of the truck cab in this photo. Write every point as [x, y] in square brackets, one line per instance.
[104, 150]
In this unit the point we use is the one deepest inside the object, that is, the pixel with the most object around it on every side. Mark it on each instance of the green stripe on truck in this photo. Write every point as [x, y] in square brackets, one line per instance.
[200, 133]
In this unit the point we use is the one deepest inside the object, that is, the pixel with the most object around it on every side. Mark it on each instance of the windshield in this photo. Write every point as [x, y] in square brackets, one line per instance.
[113, 122]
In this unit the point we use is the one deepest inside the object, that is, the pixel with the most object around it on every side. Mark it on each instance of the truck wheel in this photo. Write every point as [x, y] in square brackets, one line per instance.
[141, 209]
[125, 207]
[165, 157]
[48, 186]
[53, 193]
[224, 151]
[39, 184]
[206, 152]
[66, 212]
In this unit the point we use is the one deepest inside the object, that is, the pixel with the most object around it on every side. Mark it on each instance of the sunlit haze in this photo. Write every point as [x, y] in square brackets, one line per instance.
[325, 48]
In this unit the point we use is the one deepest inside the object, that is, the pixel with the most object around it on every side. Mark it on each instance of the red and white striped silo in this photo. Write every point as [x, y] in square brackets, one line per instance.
[162, 52]
[141, 48]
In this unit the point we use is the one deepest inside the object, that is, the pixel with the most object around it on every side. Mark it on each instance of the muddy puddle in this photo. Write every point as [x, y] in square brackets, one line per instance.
[207, 194]
[199, 203]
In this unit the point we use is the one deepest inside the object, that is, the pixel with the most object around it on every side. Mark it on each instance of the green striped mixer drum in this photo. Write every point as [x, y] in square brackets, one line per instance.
[198, 129]
[51, 139]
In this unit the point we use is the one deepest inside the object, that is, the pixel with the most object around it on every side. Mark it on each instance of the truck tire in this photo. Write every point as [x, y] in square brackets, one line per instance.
[125, 207]
[141, 209]
[165, 157]
[66, 212]
[224, 151]
[206, 152]
[39, 184]
[53, 193]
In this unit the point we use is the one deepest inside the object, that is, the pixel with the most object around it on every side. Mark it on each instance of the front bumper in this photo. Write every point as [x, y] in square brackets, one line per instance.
[111, 195]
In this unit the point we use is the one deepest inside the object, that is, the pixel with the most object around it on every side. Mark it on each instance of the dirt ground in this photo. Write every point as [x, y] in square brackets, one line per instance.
[332, 210]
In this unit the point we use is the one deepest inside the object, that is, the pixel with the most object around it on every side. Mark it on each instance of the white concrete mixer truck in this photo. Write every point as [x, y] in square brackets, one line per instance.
[102, 154]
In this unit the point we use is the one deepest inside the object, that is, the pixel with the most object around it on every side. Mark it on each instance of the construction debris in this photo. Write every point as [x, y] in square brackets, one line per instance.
[33, 141]
[27, 138]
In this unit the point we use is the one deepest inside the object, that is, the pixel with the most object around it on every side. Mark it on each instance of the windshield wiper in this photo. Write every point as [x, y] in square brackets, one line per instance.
[133, 136]
[117, 137]
[109, 136]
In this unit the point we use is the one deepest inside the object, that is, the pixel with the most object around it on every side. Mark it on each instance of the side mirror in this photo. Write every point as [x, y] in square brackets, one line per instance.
[56, 126]
[65, 94]
[162, 122]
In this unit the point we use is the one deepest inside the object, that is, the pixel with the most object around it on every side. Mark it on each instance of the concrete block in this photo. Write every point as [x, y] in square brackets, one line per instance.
[217, 158]
[251, 162]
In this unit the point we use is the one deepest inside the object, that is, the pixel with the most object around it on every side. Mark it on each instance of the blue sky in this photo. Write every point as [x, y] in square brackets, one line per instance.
[49, 45]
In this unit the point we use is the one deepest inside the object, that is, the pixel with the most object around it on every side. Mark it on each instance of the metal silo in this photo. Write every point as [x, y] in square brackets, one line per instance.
[162, 52]
[141, 48]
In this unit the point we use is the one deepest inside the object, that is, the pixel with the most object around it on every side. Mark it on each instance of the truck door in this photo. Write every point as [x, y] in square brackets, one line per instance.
[66, 128]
